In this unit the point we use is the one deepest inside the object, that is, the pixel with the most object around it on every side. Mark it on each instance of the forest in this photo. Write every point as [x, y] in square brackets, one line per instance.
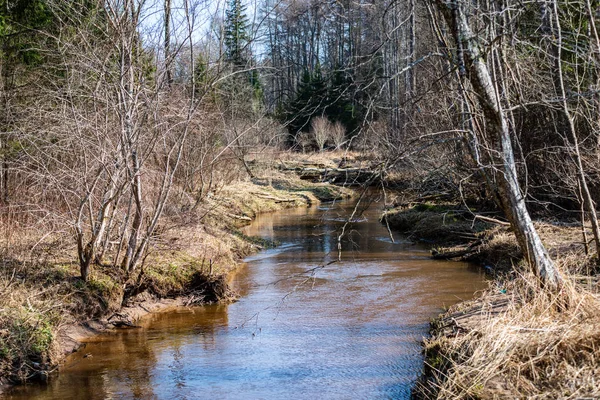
[123, 122]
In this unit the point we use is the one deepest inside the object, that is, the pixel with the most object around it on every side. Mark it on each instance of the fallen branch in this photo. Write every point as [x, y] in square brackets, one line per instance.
[457, 253]
[444, 255]
[492, 220]
[275, 199]
[240, 217]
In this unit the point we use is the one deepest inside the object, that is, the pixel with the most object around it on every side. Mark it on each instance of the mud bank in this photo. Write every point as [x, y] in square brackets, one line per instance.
[48, 312]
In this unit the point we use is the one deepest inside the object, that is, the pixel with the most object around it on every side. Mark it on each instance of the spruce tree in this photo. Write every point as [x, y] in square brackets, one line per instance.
[297, 114]
[310, 101]
[236, 34]
[340, 100]
[239, 55]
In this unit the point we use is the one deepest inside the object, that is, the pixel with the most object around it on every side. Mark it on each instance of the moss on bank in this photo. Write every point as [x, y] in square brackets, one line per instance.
[39, 298]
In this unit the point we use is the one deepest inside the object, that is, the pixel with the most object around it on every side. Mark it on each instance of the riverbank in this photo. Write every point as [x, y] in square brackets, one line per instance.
[46, 310]
[307, 325]
[515, 340]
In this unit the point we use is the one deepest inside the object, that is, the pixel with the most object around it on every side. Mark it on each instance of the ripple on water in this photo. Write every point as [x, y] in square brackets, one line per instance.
[348, 330]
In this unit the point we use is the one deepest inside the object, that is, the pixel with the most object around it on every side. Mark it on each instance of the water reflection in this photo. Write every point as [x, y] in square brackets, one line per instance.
[304, 328]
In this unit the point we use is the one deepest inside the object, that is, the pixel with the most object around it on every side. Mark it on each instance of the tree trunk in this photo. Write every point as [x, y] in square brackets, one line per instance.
[168, 42]
[511, 197]
[588, 203]
[4, 171]
[130, 261]
[411, 82]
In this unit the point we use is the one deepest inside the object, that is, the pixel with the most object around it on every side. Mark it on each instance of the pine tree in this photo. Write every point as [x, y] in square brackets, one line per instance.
[236, 34]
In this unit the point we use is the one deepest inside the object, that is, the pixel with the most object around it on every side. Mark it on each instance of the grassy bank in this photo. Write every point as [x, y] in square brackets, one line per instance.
[515, 340]
[45, 307]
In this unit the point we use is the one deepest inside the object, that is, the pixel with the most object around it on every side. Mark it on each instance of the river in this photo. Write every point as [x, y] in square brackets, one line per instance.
[306, 327]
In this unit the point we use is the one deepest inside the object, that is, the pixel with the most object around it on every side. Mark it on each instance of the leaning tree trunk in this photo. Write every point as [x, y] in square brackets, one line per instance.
[511, 197]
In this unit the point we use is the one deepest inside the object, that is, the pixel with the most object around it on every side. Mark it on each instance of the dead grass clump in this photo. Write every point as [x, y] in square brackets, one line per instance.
[537, 344]
[580, 265]
[310, 191]
[238, 204]
[326, 159]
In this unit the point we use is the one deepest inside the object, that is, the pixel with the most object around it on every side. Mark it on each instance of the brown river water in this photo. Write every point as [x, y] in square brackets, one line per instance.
[301, 330]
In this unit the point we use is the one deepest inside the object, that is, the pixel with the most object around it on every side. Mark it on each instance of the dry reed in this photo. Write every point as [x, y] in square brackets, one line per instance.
[541, 345]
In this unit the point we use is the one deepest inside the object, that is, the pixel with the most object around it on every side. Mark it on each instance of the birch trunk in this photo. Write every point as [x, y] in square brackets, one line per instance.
[511, 197]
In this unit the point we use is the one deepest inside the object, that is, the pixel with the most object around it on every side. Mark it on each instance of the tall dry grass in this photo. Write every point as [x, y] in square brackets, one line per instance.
[527, 343]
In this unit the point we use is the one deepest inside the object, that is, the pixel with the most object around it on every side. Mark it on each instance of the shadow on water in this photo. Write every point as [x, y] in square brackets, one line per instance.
[303, 329]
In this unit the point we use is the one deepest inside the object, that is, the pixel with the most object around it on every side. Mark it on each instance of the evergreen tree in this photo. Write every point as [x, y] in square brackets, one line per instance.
[20, 21]
[349, 93]
[239, 55]
[297, 114]
[340, 100]
[236, 34]
[257, 88]
[200, 77]
[310, 101]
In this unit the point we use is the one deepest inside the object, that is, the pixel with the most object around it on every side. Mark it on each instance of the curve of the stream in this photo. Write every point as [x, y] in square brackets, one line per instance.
[301, 330]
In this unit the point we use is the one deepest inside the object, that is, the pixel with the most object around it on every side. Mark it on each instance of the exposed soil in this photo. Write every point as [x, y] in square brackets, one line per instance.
[46, 311]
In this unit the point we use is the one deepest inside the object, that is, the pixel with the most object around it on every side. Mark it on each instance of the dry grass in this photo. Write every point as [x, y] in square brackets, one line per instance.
[528, 343]
[35, 302]
[499, 251]
[40, 292]
[325, 159]
[517, 340]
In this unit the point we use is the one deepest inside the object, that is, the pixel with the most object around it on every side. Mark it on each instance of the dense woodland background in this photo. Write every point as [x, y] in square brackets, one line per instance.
[116, 115]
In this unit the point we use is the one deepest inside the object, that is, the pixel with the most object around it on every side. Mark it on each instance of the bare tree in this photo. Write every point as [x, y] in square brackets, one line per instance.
[320, 129]
[471, 60]
[113, 147]
[338, 135]
[573, 141]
